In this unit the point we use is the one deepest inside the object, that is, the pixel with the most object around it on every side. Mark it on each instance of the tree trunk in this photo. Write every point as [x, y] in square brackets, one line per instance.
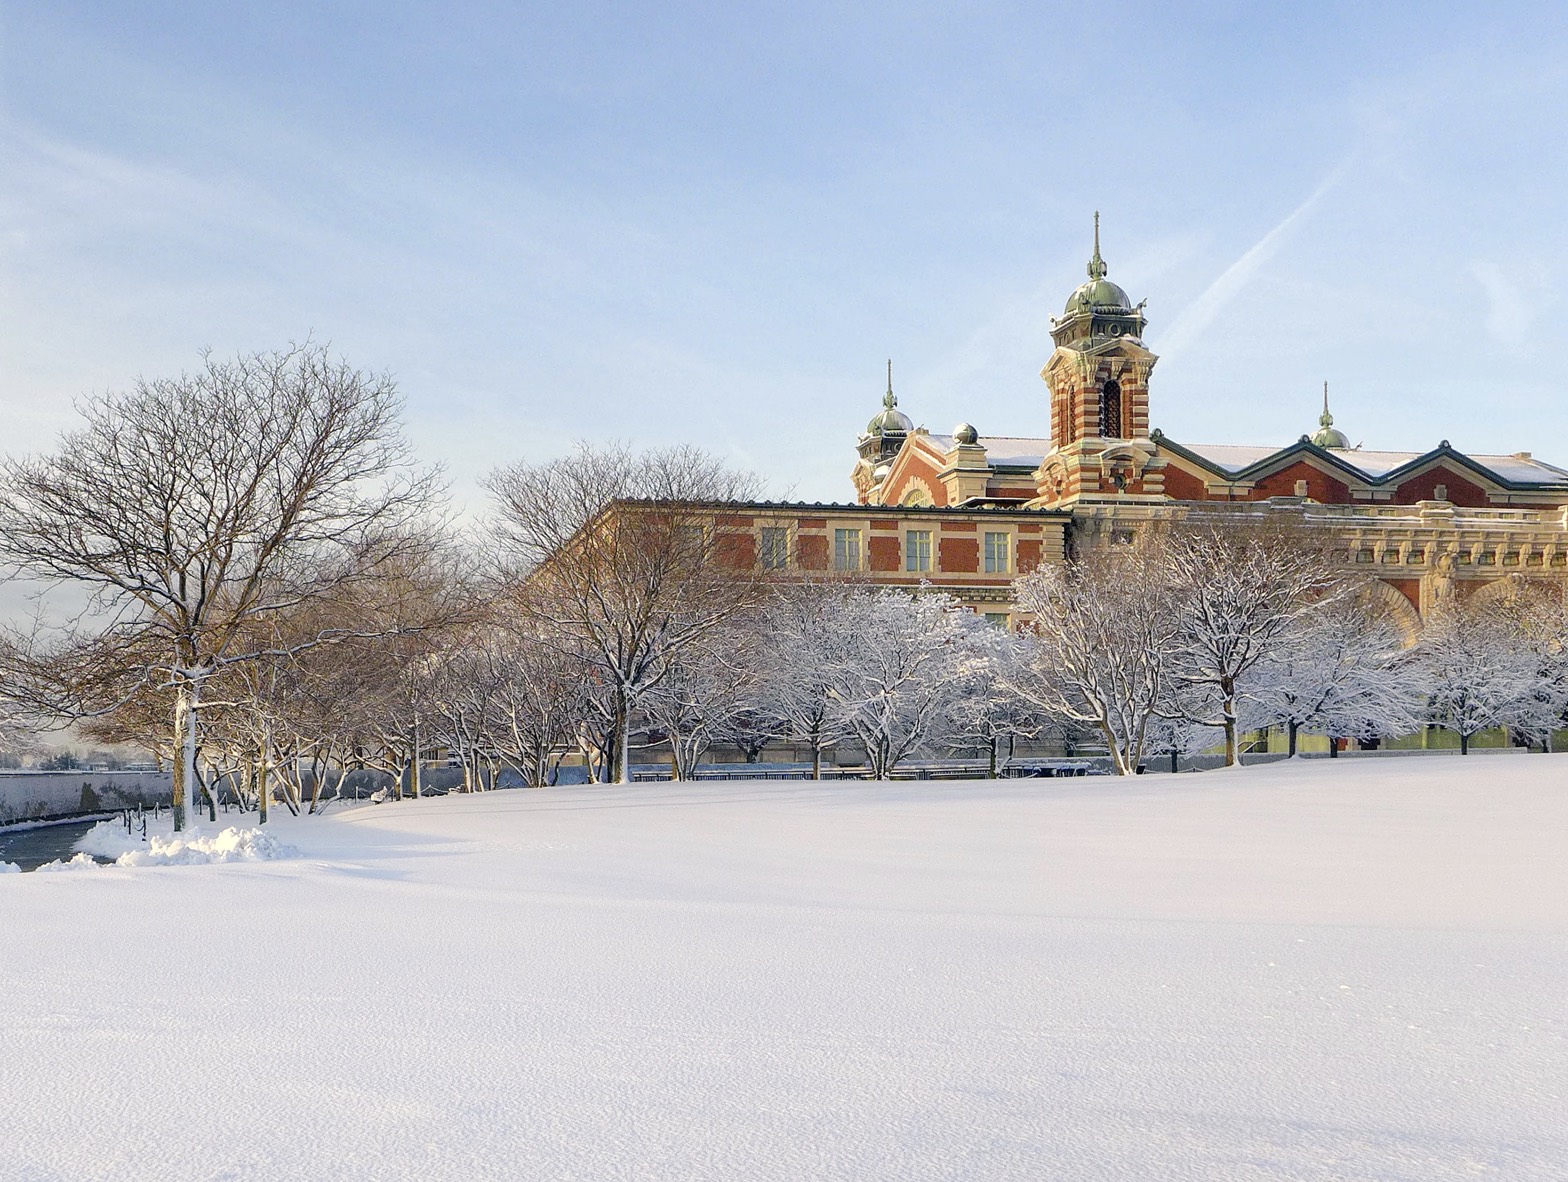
[1114, 747]
[1333, 746]
[1464, 743]
[319, 773]
[414, 785]
[187, 709]
[1232, 747]
[623, 736]
[993, 756]
[263, 789]
[1292, 727]
[816, 761]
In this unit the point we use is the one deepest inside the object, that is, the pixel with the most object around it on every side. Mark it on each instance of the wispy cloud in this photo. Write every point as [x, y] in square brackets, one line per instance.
[1513, 298]
[1201, 313]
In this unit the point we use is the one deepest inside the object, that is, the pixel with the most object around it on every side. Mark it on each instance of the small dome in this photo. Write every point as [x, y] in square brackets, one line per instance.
[965, 434]
[1098, 293]
[1331, 437]
[891, 421]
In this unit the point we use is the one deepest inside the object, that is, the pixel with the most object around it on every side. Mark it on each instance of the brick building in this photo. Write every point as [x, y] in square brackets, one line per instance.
[968, 512]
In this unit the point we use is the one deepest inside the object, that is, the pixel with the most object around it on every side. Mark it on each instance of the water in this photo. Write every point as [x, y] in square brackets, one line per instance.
[31, 848]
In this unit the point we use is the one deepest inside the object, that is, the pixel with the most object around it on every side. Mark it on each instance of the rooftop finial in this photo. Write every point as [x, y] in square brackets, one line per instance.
[1097, 267]
[1327, 434]
[887, 399]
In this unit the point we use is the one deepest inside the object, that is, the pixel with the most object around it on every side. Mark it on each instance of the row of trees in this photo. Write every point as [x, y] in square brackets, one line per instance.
[273, 597]
[1195, 635]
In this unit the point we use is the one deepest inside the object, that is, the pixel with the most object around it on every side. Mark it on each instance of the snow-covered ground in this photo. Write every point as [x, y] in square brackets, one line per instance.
[1332, 970]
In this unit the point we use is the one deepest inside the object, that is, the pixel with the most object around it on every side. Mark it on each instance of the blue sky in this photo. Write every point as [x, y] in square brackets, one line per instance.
[713, 223]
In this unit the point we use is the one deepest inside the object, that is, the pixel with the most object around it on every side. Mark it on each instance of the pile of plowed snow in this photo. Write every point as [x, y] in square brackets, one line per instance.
[108, 839]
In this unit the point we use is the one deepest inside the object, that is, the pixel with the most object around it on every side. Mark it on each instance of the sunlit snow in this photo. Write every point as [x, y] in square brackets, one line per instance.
[1348, 969]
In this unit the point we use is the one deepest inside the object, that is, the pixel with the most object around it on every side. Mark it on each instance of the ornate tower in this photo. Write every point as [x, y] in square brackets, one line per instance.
[1099, 382]
[880, 442]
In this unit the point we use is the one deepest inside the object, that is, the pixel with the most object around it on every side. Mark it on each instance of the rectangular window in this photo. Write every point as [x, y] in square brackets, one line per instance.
[996, 619]
[774, 551]
[917, 549]
[846, 549]
[998, 554]
[689, 541]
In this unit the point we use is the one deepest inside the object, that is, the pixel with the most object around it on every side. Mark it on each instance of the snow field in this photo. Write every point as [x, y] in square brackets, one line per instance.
[1346, 970]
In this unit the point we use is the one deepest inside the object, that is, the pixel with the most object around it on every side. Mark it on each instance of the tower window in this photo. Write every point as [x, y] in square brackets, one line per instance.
[1111, 410]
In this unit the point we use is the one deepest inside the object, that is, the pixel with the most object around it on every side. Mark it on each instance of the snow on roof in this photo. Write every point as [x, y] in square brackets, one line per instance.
[1523, 469]
[1004, 451]
[1518, 469]
[1230, 457]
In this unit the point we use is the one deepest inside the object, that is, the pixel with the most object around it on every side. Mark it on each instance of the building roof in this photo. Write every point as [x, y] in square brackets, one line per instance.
[1521, 470]
[1003, 451]
[851, 507]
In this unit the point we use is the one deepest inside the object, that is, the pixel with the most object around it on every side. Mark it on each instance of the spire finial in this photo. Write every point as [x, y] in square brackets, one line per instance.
[887, 399]
[1326, 419]
[1097, 267]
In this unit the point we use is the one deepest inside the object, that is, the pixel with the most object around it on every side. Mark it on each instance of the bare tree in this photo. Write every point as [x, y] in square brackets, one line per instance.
[192, 506]
[539, 700]
[624, 562]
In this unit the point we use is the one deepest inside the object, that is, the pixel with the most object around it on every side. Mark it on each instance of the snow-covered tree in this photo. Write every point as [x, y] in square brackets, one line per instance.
[1480, 671]
[986, 711]
[1103, 630]
[1338, 671]
[807, 628]
[1540, 612]
[702, 698]
[1238, 594]
[902, 662]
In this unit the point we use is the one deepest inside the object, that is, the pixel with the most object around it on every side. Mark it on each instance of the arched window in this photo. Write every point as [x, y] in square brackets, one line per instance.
[1110, 411]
